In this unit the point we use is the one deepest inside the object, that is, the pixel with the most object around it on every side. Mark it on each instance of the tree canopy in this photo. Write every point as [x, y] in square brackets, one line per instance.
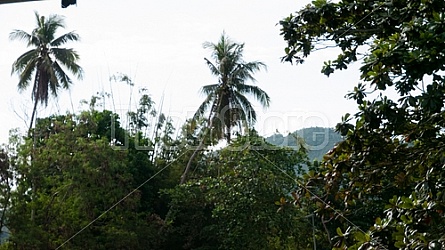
[390, 166]
[236, 199]
[81, 191]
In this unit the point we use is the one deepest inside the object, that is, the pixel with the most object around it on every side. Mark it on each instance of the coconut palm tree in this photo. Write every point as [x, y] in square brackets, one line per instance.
[42, 65]
[226, 100]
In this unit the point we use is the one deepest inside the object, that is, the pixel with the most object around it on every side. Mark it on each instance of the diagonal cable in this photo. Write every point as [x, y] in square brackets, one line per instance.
[117, 203]
[314, 195]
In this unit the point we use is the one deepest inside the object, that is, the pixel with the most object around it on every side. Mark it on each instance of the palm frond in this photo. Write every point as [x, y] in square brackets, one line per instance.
[225, 48]
[237, 52]
[46, 28]
[26, 74]
[213, 69]
[52, 77]
[248, 110]
[210, 89]
[204, 106]
[244, 71]
[20, 35]
[63, 79]
[71, 36]
[24, 60]
[256, 92]
[68, 58]
[40, 20]
[55, 21]
[40, 32]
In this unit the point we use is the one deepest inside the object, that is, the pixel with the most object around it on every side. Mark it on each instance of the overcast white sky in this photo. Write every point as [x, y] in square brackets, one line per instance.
[159, 45]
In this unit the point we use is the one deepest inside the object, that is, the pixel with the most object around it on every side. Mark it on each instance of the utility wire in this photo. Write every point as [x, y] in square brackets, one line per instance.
[117, 203]
[161, 170]
[314, 195]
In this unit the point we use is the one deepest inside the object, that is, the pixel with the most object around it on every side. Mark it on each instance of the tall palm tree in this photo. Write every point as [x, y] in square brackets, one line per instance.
[44, 60]
[227, 99]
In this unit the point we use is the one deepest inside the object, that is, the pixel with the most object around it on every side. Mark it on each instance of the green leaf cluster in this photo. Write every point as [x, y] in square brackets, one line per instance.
[239, 198]
[385, 179]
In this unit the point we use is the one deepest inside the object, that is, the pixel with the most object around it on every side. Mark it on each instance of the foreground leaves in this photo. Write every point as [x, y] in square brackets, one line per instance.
[386, 179]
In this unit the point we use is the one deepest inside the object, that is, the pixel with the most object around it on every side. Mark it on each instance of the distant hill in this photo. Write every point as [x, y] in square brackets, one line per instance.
[318, 140]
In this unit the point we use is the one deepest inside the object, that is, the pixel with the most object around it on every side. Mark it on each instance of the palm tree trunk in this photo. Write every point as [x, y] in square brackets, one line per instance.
[228, 136]
[229, 121]
[189, 163]
[34, 110]
[201, 143]
[229, 124]
[195, 153]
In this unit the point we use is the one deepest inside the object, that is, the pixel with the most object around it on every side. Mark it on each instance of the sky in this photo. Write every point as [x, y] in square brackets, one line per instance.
[158, 44]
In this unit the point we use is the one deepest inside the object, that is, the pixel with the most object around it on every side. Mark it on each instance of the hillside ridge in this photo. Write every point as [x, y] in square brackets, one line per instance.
[318, 140]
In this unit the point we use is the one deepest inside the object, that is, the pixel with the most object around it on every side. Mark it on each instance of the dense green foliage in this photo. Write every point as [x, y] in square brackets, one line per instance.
[78, 187]
[233, 199]
[383, 185]
[72, 177]
[85, 182]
